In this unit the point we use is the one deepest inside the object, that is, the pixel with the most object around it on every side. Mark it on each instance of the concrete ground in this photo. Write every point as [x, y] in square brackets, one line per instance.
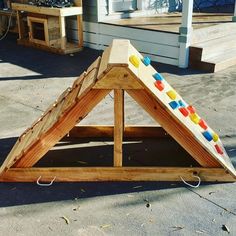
[30, 80]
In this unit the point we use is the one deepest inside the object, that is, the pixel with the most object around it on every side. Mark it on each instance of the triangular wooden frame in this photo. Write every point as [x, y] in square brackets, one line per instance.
[115, 71]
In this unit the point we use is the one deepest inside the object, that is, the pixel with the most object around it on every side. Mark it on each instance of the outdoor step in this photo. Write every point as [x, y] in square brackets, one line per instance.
[213, 32]
[203, 51]
[216, 63]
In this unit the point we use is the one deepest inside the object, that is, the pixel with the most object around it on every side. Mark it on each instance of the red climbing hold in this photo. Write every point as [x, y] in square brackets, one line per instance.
[191, 109]
[159, 85]
[218, 149]
[203, 124]
[184, 111]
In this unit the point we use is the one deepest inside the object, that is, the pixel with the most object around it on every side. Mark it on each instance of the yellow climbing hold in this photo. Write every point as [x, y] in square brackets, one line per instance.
[215, 137]
[172, 94]
[134, 60]
[194, 118]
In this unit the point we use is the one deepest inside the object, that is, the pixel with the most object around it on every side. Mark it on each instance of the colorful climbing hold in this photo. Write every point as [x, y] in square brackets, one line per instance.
[174, 104]
[184, 111]
[159, 85]
[207, 135]
[146, 61]
[203, 124]
[219, 149]
[172, 94]
[191, 109]
[158, 76]
[134, 60]
[215, 137]
[182, 103]
[194, 118]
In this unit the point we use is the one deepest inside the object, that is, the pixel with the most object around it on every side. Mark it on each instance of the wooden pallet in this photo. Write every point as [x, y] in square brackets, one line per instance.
[115, 71]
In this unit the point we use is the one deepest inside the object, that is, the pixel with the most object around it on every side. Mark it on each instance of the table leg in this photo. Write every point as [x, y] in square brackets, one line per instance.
[62, 32]
[80, 30]
[20, 24]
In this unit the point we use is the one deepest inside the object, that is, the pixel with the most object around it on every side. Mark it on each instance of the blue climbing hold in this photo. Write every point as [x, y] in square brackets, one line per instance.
[158, 76]
[182, 103]
[207, 135]
[146, 61]
[174, 104]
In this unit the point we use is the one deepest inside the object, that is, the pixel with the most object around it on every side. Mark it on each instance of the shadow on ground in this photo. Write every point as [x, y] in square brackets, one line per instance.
[13, 194]
[48, 65]
[45, 64]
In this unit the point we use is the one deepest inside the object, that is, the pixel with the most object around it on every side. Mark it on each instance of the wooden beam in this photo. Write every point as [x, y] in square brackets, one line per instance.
[61, 128]
[118, 78]
[118, 126]
[75, 174]
[99, 131]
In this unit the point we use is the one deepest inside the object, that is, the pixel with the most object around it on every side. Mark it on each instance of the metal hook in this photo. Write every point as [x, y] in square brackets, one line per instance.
[45, 185]
[190, 185]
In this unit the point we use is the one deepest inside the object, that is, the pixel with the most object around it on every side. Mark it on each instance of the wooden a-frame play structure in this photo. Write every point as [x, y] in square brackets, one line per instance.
[121, 68]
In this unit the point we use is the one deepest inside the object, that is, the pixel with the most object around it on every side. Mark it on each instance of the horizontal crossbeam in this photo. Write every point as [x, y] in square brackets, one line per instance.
[76, 174]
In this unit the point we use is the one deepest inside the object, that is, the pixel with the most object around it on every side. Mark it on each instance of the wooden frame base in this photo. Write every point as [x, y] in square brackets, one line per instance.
[75, 174]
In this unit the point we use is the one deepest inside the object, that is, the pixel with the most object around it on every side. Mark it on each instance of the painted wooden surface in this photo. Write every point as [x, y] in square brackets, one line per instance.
[160, 46]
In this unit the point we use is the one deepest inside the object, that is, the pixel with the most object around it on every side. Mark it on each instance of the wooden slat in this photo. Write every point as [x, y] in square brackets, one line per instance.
[104, 62]
[99, 131]
[119, 54]
[118, 78]
[90, 78]
[118, 126]
[76, 174]
[61, 128]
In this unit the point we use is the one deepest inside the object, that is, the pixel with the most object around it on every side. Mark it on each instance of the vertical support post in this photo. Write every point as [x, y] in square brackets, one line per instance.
[185, 33]
[110, 10]
[234, 16]
[80, 30]
[118, 126]
[62, 24]
[20, 25]
[140, 5]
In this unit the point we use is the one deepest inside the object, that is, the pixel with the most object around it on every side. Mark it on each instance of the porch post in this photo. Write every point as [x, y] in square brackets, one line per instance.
[185, 33]
[234, 17]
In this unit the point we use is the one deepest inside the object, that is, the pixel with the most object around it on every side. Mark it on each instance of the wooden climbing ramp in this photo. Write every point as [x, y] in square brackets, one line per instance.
[121, 68]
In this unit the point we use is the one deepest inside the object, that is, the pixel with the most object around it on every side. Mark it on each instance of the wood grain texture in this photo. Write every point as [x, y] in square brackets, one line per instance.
[117, 78]
[118, 126]
[104, 62]
[119, 53]
[76, 174]
[99, 131]
[90, 78]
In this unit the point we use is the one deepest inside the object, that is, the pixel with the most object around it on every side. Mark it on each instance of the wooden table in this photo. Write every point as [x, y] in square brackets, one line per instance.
[61, 13]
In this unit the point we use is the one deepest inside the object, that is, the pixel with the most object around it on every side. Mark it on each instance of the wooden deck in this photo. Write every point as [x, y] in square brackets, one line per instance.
[172, 21]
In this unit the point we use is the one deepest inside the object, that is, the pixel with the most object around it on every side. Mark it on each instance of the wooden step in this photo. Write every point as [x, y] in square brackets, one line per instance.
[213, 32]
[216, 63]
[205, 50]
